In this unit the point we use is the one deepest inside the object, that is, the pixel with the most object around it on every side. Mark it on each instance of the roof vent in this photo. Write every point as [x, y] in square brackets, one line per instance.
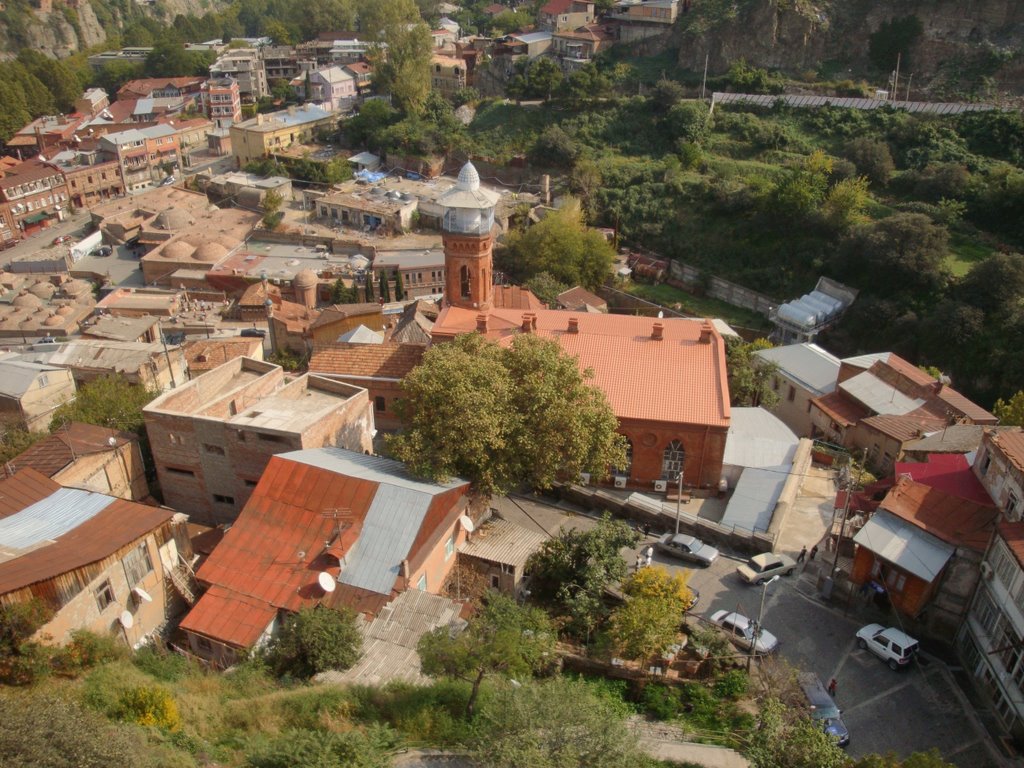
[481, 323]
[706, 332]
[657, 331]
[574, 325]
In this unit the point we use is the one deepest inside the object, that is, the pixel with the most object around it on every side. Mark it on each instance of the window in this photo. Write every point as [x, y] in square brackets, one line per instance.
[495, 581]
[44, 380]
[985, 462]
[251, 483]
[449, 546]
[177, 471]
[672, 460]
[215, 449]
[775, 383]
[1003, 565]
[137, 565]
[792, 393]
[220, 498]
[379, 404]
[464, 282]
[104, 594]
[421, 585]
[203, 644]
[1012, 502]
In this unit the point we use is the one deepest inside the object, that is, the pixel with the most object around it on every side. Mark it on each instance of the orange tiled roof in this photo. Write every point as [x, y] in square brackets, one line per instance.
[840, 408]
[905, 427]
[968, 408]
[906, 369]
[336, 312]
[514, 297]
[1011, 443]
[576, 297]
[388, 360]
[956, 521]
[206, 354]
[675, 380]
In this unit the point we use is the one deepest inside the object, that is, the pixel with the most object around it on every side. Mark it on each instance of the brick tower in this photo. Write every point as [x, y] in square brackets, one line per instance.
[468, 241]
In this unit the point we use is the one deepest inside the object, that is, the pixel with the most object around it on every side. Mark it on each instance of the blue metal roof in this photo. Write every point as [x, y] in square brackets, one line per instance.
[57, 514]
[753, 500]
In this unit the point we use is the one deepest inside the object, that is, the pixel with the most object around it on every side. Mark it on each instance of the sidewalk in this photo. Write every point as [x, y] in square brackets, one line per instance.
[663, 742]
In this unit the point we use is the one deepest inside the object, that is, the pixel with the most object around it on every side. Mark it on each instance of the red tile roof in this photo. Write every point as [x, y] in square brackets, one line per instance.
[576, 298]
[143, 87]
[844, 410]
[116, 526]
[555, 7]
[1013, 535]
[388, 360]
[514, 297]
[338, 312]
[54, 452]
[1011, 443]
[206, 354]
[30, 170]
[966, 407]
[956, 521]
[904, 368]
[676, 379]
[949, 473]
[908, 426]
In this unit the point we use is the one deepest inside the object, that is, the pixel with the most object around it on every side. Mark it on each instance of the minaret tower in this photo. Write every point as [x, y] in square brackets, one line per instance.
[468, 241]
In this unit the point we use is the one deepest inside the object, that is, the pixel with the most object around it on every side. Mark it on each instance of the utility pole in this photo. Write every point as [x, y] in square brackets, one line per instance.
[896, 78]
[757, 624]
[909, 81]
[704, 81]
[679, 496]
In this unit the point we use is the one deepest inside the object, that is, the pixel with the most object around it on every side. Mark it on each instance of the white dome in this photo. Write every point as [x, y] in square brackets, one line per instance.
[469, 179]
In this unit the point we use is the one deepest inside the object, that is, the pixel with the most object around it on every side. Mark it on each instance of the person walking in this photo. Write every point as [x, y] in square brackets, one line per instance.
[803, 554]
[832, 687]
[646, 528]
[814, 551]
[639, 562]
[649, 554]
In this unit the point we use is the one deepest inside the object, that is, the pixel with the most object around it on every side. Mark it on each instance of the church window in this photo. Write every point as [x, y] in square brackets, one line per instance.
[464, 282]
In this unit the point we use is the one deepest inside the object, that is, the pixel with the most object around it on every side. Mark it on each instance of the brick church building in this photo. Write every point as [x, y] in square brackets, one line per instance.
[665, 378]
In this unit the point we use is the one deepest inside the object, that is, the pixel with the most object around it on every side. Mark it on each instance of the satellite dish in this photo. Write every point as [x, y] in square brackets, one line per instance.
[127, 620]
[326, 581]
[111, 441]
[467, 524]
[143, 594]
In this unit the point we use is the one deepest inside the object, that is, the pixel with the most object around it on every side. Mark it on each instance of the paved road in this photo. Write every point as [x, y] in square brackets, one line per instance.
[885, 711]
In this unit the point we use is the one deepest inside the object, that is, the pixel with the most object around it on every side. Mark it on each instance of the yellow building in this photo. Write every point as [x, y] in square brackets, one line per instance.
[447, 74]
[261, 135]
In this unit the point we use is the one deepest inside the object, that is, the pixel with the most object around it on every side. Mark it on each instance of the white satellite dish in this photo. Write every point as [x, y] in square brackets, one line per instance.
[127, 620]
[467, 524]
[326, 581]
[143, 594]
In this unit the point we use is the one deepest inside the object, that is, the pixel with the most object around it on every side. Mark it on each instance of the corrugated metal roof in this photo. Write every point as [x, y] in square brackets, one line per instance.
[808, 364]
[758, 438]
[904, 545]
[16, 376]
[375, 469]
[880, 397]
[62, 511]
[866, 361]
[390, 527]
[753, 501]
[361, 335]
[499, 541]
[796, 100]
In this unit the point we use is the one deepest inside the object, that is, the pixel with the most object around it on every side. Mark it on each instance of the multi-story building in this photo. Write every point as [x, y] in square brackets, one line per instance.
[1000, 467]
[91, 177]
[32, 195]
[184, 88]
[637, 19]
[280, 62]
[803, 372]
[332, 88]
[266, 133]
[144, 155]
[246, 66]
[447, 74]
[212, 438]
[577, 47]
[565, 14]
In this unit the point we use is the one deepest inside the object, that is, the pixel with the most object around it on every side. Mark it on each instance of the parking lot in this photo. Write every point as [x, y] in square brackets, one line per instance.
[885, 711]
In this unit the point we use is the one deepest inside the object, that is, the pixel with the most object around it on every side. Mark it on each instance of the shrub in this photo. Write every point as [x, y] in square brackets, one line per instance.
[315, 640]
[159, 663]
[148, 705]
[85, 651]
[661, 701]
[732, 685]
[354, 749]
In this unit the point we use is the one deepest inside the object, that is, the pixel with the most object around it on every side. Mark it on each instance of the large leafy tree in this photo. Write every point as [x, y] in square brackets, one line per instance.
[315, 640]
[563, 246]
[110, 401]
[403, 67]
[750, 377]
[571, 571]
[1010, 412]
[557, 723]
[648, 622]
[504, 416]
[785, 738]
[504, 638]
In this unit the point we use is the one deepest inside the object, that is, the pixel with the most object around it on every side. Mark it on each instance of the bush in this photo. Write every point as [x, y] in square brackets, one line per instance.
[661, 701]
[353, 749]
[165, 666]
[732, 685]
[85, 651]
[315, 640]
[149, 705]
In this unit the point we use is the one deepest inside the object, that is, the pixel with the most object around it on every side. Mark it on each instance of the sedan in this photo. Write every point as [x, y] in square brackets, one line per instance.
[741, 632]
[62, 239]
[760, 568]
[687, 548]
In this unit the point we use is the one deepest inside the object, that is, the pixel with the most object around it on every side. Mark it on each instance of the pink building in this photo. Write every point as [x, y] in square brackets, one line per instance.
[222, 101]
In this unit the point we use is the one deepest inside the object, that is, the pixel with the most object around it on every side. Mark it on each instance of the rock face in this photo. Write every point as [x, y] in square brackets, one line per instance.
[60, 28]
[961, 40]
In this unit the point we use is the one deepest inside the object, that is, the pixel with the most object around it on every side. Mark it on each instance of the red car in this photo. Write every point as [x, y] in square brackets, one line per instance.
[62, 239]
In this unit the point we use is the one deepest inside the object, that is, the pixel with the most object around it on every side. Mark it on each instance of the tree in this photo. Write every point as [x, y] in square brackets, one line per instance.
[584, 86]
[372, 748]
[996, 285]
[750, 377]
[272, 202]
[504, 416]
[109, 401]
[648, 622]
[558, 723]
[315, 640]
[403, 67]
[546, 288]
[562, 245]
[385, 289]
[872, 158]
[503, 638]
[543, 77]
[399, 286]
[571, 571]
[554, 147]
[845, 203]
[368, 285]
[365, 128]
[1010, 412]
[785, 738]
[340, 294]
[689, 121]
[15, 440]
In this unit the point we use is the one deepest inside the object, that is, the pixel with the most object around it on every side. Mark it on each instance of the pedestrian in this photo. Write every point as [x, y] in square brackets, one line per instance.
[814, 551]
[649, 554]
[832, 687]
[646, 528]
[803, 554]
[639, 562]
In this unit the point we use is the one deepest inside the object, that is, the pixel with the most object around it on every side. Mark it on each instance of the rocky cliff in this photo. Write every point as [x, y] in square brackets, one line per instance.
[963, 45]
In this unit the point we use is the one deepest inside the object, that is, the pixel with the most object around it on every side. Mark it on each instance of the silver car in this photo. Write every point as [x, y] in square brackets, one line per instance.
[741, 631]
[687, 548]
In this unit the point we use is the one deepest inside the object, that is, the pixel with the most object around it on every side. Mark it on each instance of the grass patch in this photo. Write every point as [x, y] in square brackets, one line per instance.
[964, 253]
[701, 306]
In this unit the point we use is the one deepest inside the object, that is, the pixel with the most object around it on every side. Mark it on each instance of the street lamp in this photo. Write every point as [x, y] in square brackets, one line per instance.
[679, 496]
[757, 624]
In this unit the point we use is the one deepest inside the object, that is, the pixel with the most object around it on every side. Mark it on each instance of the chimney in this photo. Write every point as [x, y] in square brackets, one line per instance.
[574, 325]
[404, 569]
[533, 321]
[291, 110]
[706, 332]
[259, 119]
[481, 323]
[656, 331]
[527, 325]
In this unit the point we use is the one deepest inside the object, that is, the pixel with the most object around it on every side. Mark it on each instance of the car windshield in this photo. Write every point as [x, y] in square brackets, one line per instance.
[827, 712]
[752, 564]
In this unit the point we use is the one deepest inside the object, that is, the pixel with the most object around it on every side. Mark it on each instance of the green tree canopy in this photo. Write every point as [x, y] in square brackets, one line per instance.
[109, 401]
[649, 621]
[750, 378]
[1010, 412]
[503, 638]
[315, 640]
[562, 245]
[546, 288]
[403, 68]
[502, 416]
[785, 738]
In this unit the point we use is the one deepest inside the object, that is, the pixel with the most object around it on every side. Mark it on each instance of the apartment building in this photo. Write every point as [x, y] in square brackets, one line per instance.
[145, 156]
[32, 195]
[246, 66]
[91, 177]
[259, 136]
[222, 100]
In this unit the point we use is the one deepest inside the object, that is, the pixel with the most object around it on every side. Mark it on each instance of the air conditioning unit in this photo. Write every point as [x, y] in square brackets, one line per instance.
[584, 478]
[661, 485]
[620, 481]
[986, 570]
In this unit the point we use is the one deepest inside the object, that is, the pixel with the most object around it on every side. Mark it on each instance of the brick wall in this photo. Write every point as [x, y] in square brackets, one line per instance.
[703, 446]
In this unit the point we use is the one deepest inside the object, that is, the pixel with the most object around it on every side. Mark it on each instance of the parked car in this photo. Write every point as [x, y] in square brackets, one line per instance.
[695, 598]
[62, 239]
[894, 647]
[167, 181]
[104, 250]
[760, 568]
[823, 709]
[255, 333]
[5, 244]
[740, 630]
[687, 548]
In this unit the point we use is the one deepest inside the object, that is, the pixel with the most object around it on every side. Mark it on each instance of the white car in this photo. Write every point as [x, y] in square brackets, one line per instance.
[741, 631]
[760, 568]
[687, 548]
[895, 648]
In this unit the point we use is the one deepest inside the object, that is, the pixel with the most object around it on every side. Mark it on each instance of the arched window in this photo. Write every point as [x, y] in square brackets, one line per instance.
[672, 460]
[464, 282]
